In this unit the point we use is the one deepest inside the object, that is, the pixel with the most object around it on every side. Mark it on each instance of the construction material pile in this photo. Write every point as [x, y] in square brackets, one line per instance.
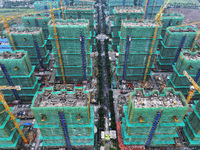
[49, 99]
[156, 100]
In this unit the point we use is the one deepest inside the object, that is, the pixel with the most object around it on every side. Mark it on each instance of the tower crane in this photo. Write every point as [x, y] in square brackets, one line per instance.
[57, 44]
[158, 18]
[62, 8]
[8, 31]
[8, 110]
[193, 88]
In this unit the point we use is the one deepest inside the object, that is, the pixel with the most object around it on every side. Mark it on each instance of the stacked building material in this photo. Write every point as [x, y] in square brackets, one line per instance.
[175, 40]
[123, 14]
[187, 61]
[9, 135]
[44, 7]
[191, 131]
[134, 47]
[31, 40]
[75, 49]
[83, 12]
[16, 70]
[39, 21]
[65, 119]
[152, 119]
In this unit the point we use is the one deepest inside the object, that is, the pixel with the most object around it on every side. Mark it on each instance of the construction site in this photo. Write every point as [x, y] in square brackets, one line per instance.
[100, 75]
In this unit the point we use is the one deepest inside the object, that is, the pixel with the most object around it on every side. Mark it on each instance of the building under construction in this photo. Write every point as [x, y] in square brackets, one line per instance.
[74, 48]
[59, 41]
[135, 43]
[151, 7]
[39, 21]
[123, 14]
[82, 12]
[44, 7]
[9, 135]
[31, 40]
[65, 119]
[16, 70]
[191, 130]
[175, 40]
[152, 119]
[187, 61]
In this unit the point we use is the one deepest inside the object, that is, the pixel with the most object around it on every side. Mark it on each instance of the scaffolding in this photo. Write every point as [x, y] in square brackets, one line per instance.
[152, 119]
[17, 70]
[50, 108]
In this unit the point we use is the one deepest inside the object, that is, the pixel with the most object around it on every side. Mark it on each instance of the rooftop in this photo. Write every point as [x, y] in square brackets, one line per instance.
[172, 15]
[25, 30]
[80, 7]
[9, 55]
[46, 2]
[48, 98]
[191, 56]
[188, 29]
[71, 22]
[128, 9]
[143, 100]
[37, 15]
[139, 23]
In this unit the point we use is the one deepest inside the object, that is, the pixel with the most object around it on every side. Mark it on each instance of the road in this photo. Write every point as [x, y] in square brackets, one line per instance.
[106, 104]
[104, 74]
[116, 94]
